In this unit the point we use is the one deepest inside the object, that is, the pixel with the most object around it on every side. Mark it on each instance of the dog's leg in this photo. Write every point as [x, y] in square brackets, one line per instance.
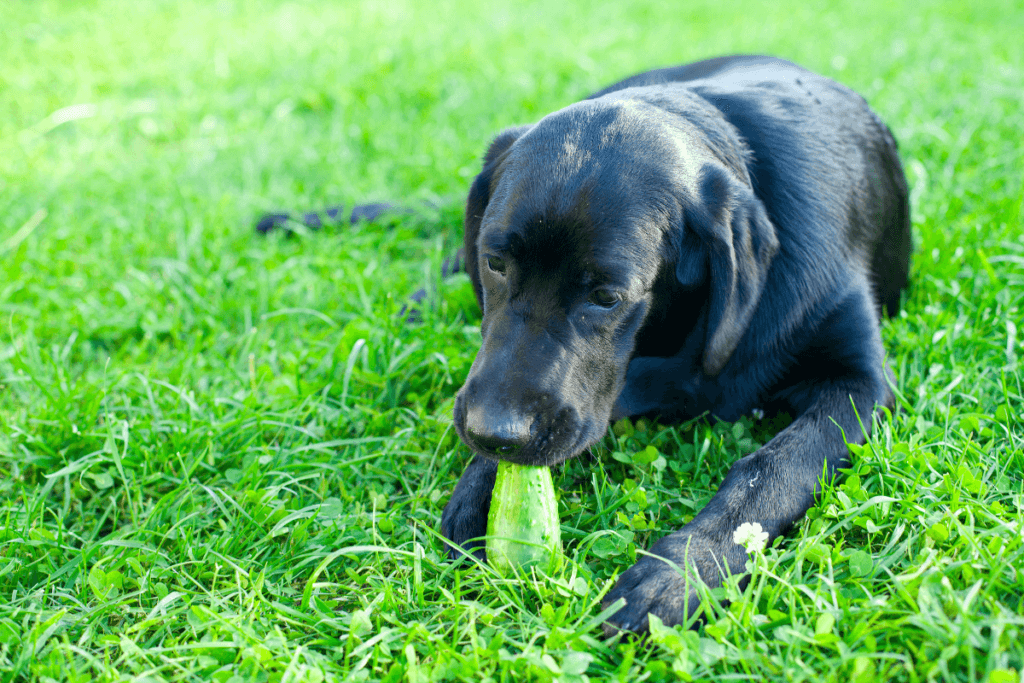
[314, 220]
[774, 487]
[465, 516]
[838, 381]
[450, 266]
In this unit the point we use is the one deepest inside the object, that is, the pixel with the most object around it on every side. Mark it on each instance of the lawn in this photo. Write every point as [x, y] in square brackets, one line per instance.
[224, 456]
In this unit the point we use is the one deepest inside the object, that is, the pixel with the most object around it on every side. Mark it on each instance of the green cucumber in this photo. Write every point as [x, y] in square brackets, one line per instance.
[522, 525]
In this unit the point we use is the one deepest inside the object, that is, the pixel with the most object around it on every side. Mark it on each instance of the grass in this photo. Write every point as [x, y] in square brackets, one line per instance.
[224, 457]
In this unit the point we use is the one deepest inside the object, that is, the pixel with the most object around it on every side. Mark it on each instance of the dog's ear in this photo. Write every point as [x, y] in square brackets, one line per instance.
[728, 241]
[479, 195]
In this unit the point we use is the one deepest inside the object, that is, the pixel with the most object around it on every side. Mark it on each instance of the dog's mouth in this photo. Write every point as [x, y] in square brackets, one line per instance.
[553, 439]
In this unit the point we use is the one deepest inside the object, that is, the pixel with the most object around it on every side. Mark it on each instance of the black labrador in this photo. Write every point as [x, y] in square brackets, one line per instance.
[710, 238]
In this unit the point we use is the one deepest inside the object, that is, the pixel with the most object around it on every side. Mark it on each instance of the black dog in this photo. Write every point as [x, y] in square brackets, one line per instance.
[708, 238]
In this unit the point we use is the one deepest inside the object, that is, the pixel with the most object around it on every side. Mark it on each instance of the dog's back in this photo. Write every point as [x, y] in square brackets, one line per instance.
[776, 106]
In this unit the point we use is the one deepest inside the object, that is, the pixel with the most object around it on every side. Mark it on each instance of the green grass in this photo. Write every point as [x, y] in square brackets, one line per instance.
[225, 456]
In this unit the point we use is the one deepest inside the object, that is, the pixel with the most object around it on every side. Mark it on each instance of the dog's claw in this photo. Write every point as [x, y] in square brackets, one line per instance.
[670, 590]
[650, 589]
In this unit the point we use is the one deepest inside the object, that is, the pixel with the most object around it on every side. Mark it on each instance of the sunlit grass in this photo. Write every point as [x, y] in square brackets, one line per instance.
[225, 455]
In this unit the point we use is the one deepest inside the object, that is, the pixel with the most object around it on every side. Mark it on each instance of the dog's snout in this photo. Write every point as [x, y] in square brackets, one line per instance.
[500, 437]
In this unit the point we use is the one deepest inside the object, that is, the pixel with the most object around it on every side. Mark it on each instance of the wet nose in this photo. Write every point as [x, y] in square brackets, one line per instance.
[502, 436]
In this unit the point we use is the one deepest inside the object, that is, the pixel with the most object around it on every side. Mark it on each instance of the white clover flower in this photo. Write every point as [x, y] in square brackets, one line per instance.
[751, 536]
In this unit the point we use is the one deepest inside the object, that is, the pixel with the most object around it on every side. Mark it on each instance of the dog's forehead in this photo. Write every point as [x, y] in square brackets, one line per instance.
[608, 154]
[591, 189]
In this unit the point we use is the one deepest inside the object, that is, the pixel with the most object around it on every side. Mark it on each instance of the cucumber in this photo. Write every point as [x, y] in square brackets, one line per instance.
[522, 525]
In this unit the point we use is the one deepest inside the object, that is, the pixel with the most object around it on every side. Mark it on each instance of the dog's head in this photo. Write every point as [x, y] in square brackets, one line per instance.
[584, 231]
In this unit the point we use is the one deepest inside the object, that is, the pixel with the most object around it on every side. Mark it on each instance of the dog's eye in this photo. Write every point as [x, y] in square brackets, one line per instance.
[605, 298]
[496, 264]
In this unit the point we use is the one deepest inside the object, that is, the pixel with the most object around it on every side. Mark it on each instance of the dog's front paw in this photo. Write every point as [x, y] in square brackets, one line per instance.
[464, 520]
[667, 582]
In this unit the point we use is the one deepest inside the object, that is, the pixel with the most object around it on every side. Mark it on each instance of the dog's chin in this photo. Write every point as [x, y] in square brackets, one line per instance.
[550, 446]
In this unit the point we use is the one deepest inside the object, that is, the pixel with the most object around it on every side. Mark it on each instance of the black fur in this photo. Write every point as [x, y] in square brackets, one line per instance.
[314, 220]
[713, 237]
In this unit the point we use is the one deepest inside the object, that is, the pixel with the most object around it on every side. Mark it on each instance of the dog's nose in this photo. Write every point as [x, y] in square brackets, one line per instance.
[501, 437]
